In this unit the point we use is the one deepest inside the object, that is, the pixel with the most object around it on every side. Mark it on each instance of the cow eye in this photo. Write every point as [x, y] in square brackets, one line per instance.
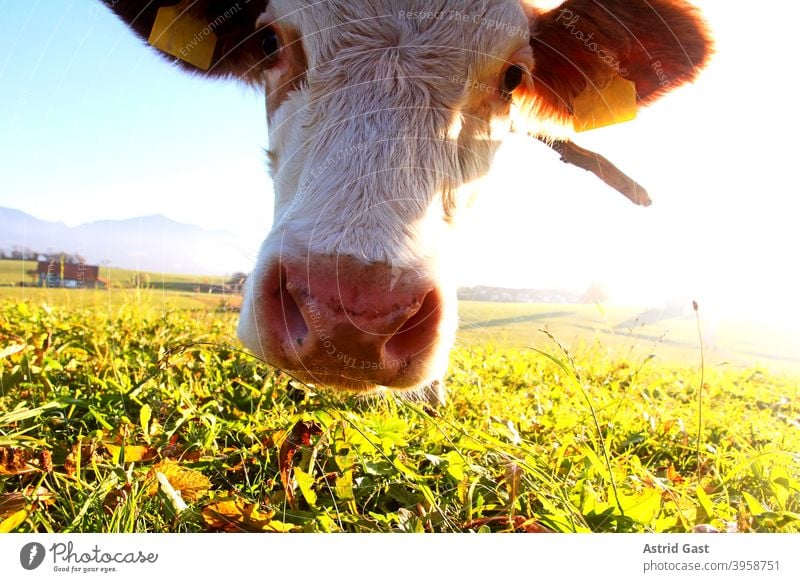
[270, 44]
[511, 80]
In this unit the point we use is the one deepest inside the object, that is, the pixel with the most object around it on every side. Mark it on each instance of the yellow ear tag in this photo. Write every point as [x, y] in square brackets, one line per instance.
[184, 36]
[594, 108]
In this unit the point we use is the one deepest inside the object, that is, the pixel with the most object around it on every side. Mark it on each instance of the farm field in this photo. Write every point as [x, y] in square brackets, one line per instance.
[625, 332]
[117, 298]
[13, 272]
[168, 290]
[632, 333]
[134, 410]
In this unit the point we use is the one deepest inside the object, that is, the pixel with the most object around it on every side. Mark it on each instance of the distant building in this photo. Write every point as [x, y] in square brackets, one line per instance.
[56, 272]
[235, 284]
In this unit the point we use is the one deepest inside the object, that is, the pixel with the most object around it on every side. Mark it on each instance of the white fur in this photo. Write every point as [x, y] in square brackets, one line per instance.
[396, 119]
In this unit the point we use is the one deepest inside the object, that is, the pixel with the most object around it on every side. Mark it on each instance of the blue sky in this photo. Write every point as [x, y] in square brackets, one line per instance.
[95, 125]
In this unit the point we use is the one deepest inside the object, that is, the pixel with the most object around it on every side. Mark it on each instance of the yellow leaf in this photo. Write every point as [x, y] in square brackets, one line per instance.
[642, 507]
[145, 414]
[753, 505]
[13, 522]
[306, 483]
[706, 505]
[344, 486]
[279, 526]
[235, 514]
[220, 514]
[130, 453]
[191, 484]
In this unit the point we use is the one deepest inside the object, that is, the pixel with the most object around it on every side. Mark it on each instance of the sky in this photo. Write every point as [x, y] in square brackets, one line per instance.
[94, 125]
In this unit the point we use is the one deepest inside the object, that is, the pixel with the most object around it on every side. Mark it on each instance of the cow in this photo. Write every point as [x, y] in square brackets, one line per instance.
[383, 116]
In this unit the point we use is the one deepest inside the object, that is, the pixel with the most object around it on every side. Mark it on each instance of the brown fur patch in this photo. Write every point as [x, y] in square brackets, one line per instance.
[658, 44]
[292, 70]
[238, 52]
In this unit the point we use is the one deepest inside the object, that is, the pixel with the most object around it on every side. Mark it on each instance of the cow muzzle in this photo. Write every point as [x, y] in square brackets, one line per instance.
[336, 321]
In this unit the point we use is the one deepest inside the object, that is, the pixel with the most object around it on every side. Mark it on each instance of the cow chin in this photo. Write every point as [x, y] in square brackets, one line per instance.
[336, 382]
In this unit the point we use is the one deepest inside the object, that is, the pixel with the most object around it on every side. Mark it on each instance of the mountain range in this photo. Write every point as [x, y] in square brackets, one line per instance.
[149, 243]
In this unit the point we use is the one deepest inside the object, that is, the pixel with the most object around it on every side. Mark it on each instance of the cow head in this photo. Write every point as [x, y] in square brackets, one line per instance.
[381, 115]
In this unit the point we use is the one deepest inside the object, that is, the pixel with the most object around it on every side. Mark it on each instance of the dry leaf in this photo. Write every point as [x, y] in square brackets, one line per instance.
[46, 461]
[15, 461]
[179, 453]
[115, 498]
[299, 437]
[178, 450]
[237, 515]
[744, 521]
[11, 503]
[87, 452]
[191, 484]
[517, 523]
[513, 476]
[673, 475]
[131, 453]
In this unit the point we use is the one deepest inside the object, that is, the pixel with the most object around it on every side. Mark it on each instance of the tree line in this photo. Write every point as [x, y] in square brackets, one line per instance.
[20, 253]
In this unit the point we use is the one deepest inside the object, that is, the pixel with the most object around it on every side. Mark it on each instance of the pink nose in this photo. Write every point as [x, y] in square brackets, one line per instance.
[338, 321]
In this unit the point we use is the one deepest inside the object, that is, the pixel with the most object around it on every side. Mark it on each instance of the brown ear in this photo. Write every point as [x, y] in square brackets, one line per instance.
[584, 44]
[237, 51]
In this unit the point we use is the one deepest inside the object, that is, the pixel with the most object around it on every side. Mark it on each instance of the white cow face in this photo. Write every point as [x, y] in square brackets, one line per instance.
[387, 120]
[381, 115]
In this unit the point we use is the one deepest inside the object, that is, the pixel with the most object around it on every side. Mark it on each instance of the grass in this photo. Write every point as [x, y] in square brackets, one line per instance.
[12, 272]
[141, 415]
[117, 298]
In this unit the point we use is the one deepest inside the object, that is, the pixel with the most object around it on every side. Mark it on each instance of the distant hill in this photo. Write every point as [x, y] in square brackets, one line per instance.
[158, 244]
[148, 243]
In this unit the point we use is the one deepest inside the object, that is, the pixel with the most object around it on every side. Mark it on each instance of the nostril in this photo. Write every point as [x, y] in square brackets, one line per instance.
[349, 331]
[418, 333]
[293, 321]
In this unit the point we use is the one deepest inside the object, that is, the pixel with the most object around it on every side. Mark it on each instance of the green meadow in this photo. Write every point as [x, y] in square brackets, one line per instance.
[135, 410]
